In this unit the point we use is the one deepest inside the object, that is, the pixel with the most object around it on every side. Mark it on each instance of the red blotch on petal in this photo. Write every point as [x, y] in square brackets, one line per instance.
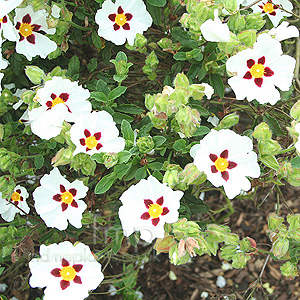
[64, 284]
[62, 188]
[77, 279]
[128, 17]
[31, 39]
[87, 133]
[78, 267]
[4, 19]
[268, 72]
[155, 221]
[36, 27]
[116, 27]
[64, 262]
[120, 10]
[225, 175]
[99, 146]
[126, 26]
[55, 272]
[213, 157]
[160, 200]
[18, 25]
[97, 135]
[82, 142]
[224, 154]
[214, 169]
[64, 206]
[112, 17]
[250, 63]
[64, 96]
[247, 75]
[258, 81]
[73, 192]
[145, 216]
[262, 60]
[53, 96]
[231, 165]
[148, 202]
[49, 104]
[57, 197]
[26, 19]
[74, 204]
[18, 191]
[273, 13]
[165, 211]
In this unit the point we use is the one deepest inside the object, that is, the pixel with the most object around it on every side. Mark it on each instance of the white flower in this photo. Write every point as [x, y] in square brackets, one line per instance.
[122, 20]
[226, 158]
[147, 206]
[8, 210]
[67, 271]
[259, 70]
[57, 200]
[47, 123]
[8, 29]
[59, 90]
[284, 31]
[30, 25]
[215, 31]
[96, 132]
[6, 6]
[272, 9]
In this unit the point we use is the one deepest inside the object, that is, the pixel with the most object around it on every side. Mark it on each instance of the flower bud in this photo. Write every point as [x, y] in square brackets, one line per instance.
[35, 74]
[228, 121]
[63, 157]
[145, 144]
[289, 269]
[280, 247]
[28, 96]
[181, 80]
[165, 43]
[171, 176]
[110, 159]
[163, 245]
[191, 175]
[84, 163]
[188, 120]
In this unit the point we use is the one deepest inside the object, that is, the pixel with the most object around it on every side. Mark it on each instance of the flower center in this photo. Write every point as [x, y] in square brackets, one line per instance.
[155, 210]
[268, 7]
[66, 197]
[91, 142]
[68, 273]
[56, 101]
[221, 164]
[257, 70]
[120, 19]
[16, 197]
[25, 29]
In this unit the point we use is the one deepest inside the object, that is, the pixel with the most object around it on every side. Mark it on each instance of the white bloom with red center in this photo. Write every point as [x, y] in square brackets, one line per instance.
[259, 70]
[8, 210]
[147, 206]
[59, 90]
[272, 9]
[96, 132]
[215, 31]
[6, 6]
[226, 158]
[57, 200]
[122, 20]
[8, 29]
[67, 271]
[284, 31]
[47, 123]
[30, 25]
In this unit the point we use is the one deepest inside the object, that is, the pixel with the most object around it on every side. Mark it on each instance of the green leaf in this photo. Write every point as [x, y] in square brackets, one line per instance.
[74, 65]
[273, 124]
[180, 56]
[155, 13]
[102, 87]
[105, 183]
[96, 40]
[119, 118]
[155, 166]
[117, 242]
[141, 173]
[270, 161]
[1, 270]
[116, 93]
[92, 65]
[129, 109]
[296, 162]
[87, 218]
[121, 170]
[201, 130]
[39, 161]
[217, 83]
[99, 96]
[158, 140]
[98, 157]
[157, 175]
[180, 146]
[159, 3]
[183, 37]
[124, 156]
[127, 131]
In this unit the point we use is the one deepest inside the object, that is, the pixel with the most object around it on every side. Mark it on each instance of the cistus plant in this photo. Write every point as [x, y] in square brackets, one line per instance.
[117, 118]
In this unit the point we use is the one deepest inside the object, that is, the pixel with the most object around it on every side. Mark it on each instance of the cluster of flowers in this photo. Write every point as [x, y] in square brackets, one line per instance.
[70, 271]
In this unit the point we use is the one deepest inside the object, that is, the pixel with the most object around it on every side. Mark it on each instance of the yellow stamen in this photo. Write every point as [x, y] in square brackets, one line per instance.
[91, 142]
[66, 197]
[68, 273]
[120, 19]
[26, 29]
[155, 210]
[268, 7]
[56, 101]
[15, 196]
[221, 164]
[257, 71]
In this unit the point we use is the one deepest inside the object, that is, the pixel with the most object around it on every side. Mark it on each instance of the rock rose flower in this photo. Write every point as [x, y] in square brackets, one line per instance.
[96, 132]
[7, 210]
[147, 206]
[215, 31]
[67, 271]
[122, 20]
[30, 25]
[226, 158]
[259, 70]
[57, 200]
[284, 31]
[6, 6]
